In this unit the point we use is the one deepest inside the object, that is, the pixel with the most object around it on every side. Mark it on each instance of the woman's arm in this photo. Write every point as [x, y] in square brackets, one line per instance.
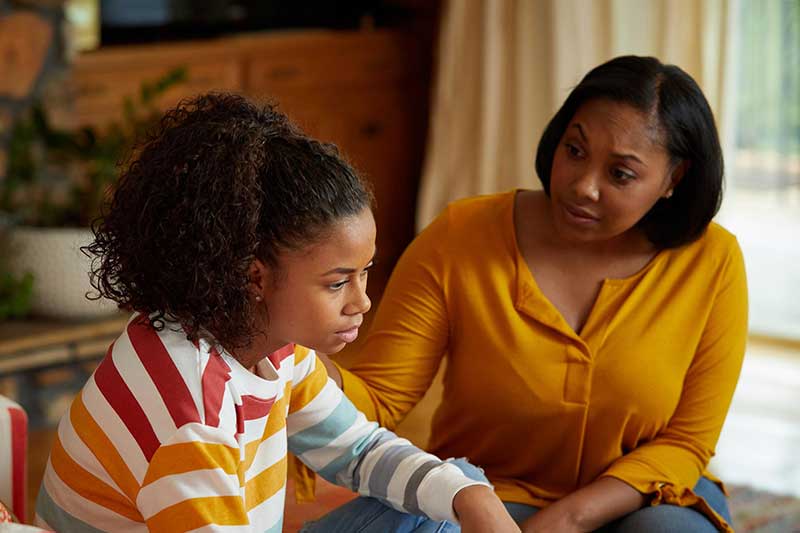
[588, 508]
[408, 336]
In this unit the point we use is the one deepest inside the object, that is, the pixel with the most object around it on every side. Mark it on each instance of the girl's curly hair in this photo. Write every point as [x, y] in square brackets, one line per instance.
[220, 181]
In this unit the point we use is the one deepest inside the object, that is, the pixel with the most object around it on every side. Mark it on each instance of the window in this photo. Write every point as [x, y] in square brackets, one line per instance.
[762, 206]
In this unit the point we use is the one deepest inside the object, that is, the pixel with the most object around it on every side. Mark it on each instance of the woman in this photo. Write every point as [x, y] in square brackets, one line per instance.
[594, 331]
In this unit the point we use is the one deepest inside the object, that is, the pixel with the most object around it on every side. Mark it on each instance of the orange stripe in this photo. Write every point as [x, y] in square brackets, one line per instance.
[275, 422]
[190, 457]
[300, 353]
[266, 484]
[277, 417]
[199, 512]
[101, 446]
[89, 486]
[308, 389]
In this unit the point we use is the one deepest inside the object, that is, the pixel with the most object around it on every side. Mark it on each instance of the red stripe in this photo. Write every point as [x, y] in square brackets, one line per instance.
[239, 419]
[19, 453]
[215, 375]
[122, 400]
[162, 370]
[254, 408]
[277, 356]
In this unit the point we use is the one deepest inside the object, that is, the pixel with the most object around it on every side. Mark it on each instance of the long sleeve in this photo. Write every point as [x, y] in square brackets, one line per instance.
[329, 435]
[409, 334]
[669, 465]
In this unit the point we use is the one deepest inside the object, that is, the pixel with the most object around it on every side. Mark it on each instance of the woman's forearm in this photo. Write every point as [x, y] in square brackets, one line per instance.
[588, 508]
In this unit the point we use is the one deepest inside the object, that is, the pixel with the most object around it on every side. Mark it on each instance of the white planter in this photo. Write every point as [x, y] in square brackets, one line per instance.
[60, 271]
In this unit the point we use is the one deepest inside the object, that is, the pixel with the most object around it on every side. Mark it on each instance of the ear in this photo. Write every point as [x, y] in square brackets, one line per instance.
[259, 278]
[676, 175]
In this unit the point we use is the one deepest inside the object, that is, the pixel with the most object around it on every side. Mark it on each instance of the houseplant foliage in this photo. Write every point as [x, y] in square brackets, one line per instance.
[56, 184]
[59, 178]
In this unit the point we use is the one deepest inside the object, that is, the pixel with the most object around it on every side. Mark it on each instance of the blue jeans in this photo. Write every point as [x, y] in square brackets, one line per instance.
[658, 519]
[368, 515]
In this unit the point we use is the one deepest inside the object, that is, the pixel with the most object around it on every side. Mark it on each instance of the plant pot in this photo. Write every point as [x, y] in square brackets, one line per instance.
[60, 271]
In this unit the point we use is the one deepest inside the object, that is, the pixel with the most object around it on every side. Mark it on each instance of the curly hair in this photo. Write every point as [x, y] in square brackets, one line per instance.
[219, 182]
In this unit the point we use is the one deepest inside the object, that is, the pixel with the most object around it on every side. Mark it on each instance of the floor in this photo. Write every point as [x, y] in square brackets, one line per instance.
[761, 437]
[758, 447]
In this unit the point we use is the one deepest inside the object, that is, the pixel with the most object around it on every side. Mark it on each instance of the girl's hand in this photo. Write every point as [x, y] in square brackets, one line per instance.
[479, 510]
[552, 518]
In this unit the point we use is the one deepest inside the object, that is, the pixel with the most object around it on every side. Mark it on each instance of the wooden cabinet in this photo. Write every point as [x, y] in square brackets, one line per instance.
[365, 91]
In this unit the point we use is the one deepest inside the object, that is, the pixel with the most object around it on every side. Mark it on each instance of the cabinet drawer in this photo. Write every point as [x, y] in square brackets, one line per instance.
[99, 95]
[329, 60]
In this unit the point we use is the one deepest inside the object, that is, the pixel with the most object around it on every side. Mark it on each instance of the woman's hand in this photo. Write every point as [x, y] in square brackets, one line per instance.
[479, 510]
[333, 371]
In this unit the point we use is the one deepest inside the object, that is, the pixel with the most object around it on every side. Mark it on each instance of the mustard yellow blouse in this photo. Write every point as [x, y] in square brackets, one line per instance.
[639, 394]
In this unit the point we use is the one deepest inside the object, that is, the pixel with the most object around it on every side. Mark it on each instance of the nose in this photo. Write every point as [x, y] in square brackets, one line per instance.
[587, 186]
[359, 303]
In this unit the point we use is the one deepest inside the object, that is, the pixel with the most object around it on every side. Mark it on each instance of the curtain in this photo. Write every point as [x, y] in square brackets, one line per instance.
[505, 66]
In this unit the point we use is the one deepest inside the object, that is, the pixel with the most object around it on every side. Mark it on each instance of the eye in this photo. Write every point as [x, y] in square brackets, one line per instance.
[573, 150]
[622, 175]
[338, 285]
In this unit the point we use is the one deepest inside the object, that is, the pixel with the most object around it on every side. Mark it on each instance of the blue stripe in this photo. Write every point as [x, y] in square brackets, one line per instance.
[322, 433]
[384, 436]
[356, 450]
[277, 528]
[57, 518]
[386, 467]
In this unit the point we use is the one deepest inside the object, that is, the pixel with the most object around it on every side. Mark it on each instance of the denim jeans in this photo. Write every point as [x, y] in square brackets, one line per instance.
[658, 519]
[368, 515]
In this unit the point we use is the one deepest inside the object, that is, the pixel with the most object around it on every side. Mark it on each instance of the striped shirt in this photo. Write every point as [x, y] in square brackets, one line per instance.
[170, 435]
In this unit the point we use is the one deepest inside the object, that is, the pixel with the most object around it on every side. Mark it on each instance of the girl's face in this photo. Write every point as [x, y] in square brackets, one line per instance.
[609, 169]
[318, 297]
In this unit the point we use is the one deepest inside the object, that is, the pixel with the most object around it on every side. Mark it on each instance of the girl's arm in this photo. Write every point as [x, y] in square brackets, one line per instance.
[332, 437]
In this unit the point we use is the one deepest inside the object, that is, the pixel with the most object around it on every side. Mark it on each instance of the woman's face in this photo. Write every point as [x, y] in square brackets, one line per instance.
[609, 169]
[318, 297]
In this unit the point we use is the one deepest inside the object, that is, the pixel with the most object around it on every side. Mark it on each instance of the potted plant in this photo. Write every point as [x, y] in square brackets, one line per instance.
[55, 186]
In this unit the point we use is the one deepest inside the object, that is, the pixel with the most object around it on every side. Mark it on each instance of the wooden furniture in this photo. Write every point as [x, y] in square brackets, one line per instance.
[366, 91]
[36, 344]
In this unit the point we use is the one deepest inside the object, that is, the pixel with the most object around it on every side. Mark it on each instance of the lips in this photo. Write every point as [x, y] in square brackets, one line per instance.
[348, 335]
[580, 213]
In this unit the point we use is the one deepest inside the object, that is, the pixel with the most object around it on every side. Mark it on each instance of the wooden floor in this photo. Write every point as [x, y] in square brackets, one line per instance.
[758, 447]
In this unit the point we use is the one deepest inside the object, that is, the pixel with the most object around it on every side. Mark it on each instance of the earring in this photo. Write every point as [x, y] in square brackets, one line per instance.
[668, 194]
[258, 298]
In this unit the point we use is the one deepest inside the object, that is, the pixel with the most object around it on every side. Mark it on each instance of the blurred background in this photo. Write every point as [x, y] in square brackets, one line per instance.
[431, 101]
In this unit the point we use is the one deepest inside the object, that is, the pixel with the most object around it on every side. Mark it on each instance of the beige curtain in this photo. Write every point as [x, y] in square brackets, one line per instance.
[504, 67]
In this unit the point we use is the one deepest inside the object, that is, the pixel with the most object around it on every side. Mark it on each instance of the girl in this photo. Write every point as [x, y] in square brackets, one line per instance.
[242, 246]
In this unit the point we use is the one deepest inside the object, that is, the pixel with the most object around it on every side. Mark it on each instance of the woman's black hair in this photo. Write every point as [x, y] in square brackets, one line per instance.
[686, 124]
[220, 181]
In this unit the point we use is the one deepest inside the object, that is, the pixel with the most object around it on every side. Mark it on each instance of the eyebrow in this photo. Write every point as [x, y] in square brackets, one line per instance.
[345, 270]
[615, 154]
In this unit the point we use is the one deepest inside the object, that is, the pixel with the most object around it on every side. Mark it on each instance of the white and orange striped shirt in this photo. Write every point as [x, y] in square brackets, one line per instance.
[170, 435]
